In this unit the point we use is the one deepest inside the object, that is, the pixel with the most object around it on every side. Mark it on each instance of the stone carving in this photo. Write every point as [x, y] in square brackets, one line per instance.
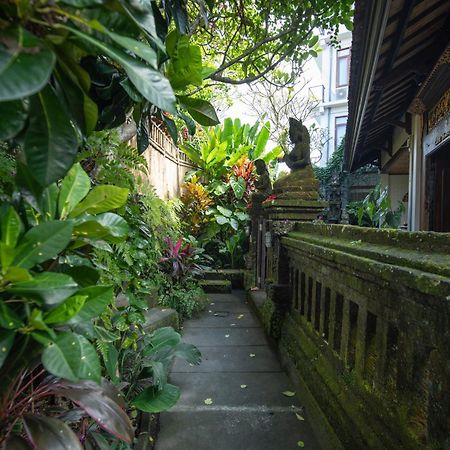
[299, 156]
[282, 227]
[263, 184]
[301, 183]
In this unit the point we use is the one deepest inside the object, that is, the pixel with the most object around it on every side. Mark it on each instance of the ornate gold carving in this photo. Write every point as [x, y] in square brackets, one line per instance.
[439, 111]
[417, 107]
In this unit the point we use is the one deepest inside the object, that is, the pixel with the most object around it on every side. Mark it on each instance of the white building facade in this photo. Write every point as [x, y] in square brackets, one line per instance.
[329, 74]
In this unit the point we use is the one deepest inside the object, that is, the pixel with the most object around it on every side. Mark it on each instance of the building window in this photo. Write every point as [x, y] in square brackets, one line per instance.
[340, 124]
[342, 67]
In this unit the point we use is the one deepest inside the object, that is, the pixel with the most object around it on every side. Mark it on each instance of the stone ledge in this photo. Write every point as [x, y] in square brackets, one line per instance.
[160, 317]
[216, 286]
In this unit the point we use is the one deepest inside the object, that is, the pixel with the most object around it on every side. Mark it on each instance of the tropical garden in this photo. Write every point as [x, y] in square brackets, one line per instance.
[86, 246]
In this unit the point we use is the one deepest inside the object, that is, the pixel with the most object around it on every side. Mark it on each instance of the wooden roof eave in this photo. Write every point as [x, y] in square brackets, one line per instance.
[373, 17]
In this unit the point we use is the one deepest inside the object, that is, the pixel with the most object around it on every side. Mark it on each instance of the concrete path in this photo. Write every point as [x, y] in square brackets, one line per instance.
[234, 400]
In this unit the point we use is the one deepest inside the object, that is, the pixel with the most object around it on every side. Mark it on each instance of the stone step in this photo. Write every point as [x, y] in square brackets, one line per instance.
[216, 286]
[236, 276]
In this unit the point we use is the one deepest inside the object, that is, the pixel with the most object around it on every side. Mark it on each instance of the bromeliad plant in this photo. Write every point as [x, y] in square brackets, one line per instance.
[179, 261]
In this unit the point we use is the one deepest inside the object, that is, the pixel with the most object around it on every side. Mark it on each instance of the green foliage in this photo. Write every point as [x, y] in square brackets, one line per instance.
[186, 299]
[218, 192]
[7, 171]
[375, 210]
[43, 299]
[333, 168]
[223, 146]
[248, 40]
[65, 73]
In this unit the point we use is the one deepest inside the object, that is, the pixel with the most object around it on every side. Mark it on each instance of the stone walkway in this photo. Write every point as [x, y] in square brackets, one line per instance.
[234, 400]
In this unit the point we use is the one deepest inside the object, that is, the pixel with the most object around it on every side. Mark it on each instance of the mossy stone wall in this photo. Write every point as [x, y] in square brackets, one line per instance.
[368, 331]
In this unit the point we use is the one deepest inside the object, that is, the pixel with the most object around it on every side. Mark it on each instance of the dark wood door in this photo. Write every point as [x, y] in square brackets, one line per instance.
[441, 201]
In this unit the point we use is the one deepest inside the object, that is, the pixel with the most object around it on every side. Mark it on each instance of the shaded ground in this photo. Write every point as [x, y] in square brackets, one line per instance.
[234, 400]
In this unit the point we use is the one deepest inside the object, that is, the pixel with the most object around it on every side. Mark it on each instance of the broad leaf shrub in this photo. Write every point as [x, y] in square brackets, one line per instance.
[217, 192]
[47, 288]
[375, 210]
[62, 331]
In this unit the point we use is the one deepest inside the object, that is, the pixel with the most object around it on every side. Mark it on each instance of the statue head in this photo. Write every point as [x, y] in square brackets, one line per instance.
[295, 129]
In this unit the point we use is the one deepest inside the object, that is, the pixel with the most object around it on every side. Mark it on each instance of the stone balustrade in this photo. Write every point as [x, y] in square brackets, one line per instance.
[362, 320]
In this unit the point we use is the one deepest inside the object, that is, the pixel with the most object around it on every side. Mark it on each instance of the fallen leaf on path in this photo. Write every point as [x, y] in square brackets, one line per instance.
[243, 386]
[240, 316]
[227, 335]
[300, 444]
[299, 417]
[208, 401]
[288, 393]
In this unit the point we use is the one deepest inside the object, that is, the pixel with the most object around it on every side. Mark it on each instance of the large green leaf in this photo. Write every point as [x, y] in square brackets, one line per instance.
[224, 211]
[11, 226]
[74, 188]
[12, 119]
[188, 352]
[272, 154]
[73, 357]
[161, 338]
[101, 199]
[200, 110]
[139, 48]
[25, 65]
[111, 363]
[261, 141]
[159, 373]
[43, 242]
[8, 318]
[66, 310]
[50, 433]
[148, 81]
[51, 143]
[185, 65]
[108, 226]
[98, 298]
[238, 185]
[50, 287]
[142, 13]
[153, 400]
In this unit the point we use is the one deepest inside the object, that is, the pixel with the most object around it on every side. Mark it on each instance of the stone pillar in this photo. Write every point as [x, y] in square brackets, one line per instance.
[297, 200]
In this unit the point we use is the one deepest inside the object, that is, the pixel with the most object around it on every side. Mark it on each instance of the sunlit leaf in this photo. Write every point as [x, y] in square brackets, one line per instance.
[50, 287]
[74, 187]
[101, 199]
[72, 357]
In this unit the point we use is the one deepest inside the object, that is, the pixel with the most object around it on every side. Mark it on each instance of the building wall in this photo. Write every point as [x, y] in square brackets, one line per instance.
[322, 72]
[398, 186]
